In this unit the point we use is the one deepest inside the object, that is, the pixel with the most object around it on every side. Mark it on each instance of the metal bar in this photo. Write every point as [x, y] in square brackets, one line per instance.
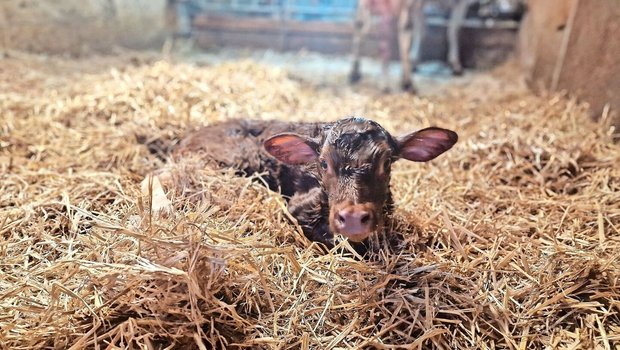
[475, 23]
[335, 10]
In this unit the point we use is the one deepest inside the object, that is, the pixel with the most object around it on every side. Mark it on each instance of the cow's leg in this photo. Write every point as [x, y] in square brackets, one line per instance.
[170, 25]
[385, 45]
[179, 18]
[419, 28]
[457, 16]
[361, 26]
[405, 32]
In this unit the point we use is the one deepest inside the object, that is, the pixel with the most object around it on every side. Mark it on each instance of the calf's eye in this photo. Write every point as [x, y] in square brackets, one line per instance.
[386, 166]
[323, 165]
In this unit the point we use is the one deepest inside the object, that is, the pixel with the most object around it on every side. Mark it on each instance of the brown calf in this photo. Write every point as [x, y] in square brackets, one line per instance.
[335, 175]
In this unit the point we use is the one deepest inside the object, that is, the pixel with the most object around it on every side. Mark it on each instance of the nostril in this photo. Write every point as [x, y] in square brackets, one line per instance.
[340, 218]
[365, 218]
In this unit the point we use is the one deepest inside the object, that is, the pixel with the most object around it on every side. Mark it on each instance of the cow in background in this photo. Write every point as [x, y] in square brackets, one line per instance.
[411, 25]
[179, 15]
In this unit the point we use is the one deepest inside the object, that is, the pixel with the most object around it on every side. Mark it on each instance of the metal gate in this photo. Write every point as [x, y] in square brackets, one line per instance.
[297, 10]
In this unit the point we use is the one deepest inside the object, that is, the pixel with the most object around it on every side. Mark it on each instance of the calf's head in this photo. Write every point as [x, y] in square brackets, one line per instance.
[353, 160]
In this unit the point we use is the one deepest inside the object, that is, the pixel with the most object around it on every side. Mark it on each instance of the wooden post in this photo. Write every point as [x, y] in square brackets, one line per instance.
[568, 29]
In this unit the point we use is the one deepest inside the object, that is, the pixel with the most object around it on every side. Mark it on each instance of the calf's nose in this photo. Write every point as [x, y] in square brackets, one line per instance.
[354, 222]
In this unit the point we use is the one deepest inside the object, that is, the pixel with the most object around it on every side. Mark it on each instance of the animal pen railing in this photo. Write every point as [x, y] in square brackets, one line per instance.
[304, 10]
[319, 25]
[322, 25]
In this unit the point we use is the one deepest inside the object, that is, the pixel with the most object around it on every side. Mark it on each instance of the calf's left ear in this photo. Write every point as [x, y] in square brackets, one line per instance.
[291, 148]
[426, 144]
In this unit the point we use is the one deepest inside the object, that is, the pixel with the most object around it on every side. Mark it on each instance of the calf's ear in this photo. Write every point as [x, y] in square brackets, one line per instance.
[426, 144]
[291, 148]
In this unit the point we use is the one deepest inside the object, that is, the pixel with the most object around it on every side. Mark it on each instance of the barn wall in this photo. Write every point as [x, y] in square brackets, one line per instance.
[485, 48]
[573, 45]
[480, 48]
[80, 26]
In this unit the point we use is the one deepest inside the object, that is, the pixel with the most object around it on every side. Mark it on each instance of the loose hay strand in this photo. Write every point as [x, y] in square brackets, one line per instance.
[510, 240]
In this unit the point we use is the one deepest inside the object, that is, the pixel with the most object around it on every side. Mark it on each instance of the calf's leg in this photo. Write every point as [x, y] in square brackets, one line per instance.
[309, 208]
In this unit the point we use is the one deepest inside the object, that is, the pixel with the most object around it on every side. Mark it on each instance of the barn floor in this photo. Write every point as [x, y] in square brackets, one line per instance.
[511, 240]
[323, 70]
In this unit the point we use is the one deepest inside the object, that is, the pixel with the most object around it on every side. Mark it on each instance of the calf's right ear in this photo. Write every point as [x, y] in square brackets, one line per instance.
[291, 148]
[426, 144]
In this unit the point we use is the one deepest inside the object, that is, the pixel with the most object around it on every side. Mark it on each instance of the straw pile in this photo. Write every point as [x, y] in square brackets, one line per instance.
[510, 240]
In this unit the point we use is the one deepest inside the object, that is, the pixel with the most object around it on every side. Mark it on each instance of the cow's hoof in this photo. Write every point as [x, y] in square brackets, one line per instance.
[457, 71]
[407, 86]
[354, 77]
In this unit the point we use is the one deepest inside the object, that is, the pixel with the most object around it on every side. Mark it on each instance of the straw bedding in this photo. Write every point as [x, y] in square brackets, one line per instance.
[510, 240]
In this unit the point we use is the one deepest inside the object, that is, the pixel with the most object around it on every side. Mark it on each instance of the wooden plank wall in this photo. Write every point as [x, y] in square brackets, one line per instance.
[574, 45]
[263, 33]
[480, 48]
